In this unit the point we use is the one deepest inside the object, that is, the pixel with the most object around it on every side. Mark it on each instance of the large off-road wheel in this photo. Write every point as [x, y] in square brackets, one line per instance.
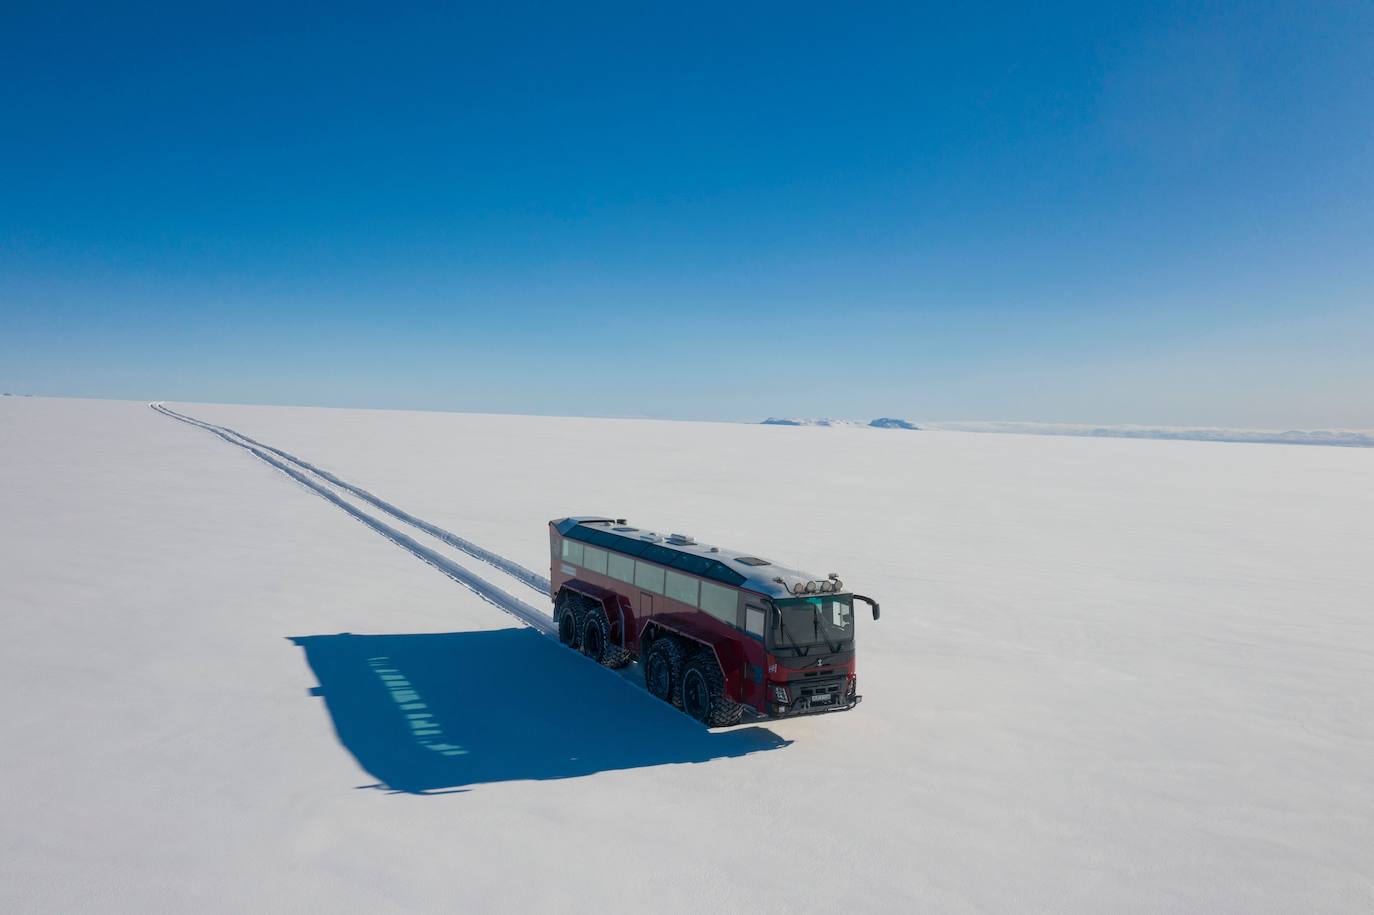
[663, 669]
[703, 693]
[569, 624]
[596, 640]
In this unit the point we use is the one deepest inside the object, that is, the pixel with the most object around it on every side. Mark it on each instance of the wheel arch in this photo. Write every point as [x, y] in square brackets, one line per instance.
[619, 611]
[729, 657]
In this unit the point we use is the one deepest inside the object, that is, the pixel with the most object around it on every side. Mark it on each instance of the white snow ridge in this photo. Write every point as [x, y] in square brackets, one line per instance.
[1350, 438]
[1110, 675]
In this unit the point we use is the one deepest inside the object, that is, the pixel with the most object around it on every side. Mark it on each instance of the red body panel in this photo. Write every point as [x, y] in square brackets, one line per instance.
[750, 671]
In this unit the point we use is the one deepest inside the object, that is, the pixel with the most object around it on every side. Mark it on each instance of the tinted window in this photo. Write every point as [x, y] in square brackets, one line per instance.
[720, 573]
[632, 547]
[594, 560]
[572, 551]
[660, 554]
[648, 577]
[602, 538]
[719, 602]
[680, 587]
[621, 567]
[754, 618]
[697, 565]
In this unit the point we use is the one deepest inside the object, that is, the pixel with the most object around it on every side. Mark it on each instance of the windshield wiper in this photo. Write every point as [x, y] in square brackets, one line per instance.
[820, 634]
[801, 652]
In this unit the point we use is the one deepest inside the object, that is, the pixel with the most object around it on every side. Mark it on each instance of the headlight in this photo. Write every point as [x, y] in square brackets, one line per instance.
[780, 694]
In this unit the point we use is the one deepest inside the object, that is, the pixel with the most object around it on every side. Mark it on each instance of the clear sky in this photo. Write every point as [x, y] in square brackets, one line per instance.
[1084, 213]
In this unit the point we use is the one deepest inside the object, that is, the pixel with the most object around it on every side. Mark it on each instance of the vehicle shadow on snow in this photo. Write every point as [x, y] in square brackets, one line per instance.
[423, 713]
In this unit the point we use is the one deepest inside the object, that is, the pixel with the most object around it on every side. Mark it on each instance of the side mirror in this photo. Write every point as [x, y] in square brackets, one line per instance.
[870, 601]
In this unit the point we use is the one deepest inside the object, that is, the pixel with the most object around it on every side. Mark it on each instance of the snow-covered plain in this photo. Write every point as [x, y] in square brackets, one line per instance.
[1111, 675]
[1348, 438]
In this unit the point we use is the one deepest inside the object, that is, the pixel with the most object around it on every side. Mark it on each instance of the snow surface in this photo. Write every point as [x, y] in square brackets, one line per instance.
[1350, 438]
[1111, 675]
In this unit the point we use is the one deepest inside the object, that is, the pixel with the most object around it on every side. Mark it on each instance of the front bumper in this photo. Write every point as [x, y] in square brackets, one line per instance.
[814, 697]
[778, 710]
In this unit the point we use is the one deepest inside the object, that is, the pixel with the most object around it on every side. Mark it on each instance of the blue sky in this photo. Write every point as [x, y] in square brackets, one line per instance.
[1075, 213]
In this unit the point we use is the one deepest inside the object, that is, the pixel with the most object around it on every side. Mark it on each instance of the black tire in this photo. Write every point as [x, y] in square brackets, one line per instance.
[663, 670]
[703, 693]
[597, 643]
[567, 628]
[569, 625]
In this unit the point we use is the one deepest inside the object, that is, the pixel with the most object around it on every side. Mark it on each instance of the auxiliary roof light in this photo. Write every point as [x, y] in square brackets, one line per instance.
[810, 587]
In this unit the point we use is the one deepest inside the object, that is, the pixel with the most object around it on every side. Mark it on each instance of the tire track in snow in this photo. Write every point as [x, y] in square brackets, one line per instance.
[510, 567]
[530, 616]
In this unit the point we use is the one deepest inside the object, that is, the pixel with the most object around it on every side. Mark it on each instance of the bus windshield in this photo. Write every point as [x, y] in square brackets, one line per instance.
[804, 623]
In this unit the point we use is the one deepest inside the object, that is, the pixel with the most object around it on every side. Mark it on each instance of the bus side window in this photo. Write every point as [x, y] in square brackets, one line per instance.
[621, 568]
[754, 618]
[649, 577]
[720, 602]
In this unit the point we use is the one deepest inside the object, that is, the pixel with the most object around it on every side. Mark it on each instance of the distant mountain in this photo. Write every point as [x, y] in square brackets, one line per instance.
[886, 422]
[791, 421]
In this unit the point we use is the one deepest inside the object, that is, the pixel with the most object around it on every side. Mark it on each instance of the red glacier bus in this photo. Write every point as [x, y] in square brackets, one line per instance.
[716, 631]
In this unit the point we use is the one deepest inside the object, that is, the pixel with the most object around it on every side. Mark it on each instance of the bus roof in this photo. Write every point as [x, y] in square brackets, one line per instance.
[742, 570]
